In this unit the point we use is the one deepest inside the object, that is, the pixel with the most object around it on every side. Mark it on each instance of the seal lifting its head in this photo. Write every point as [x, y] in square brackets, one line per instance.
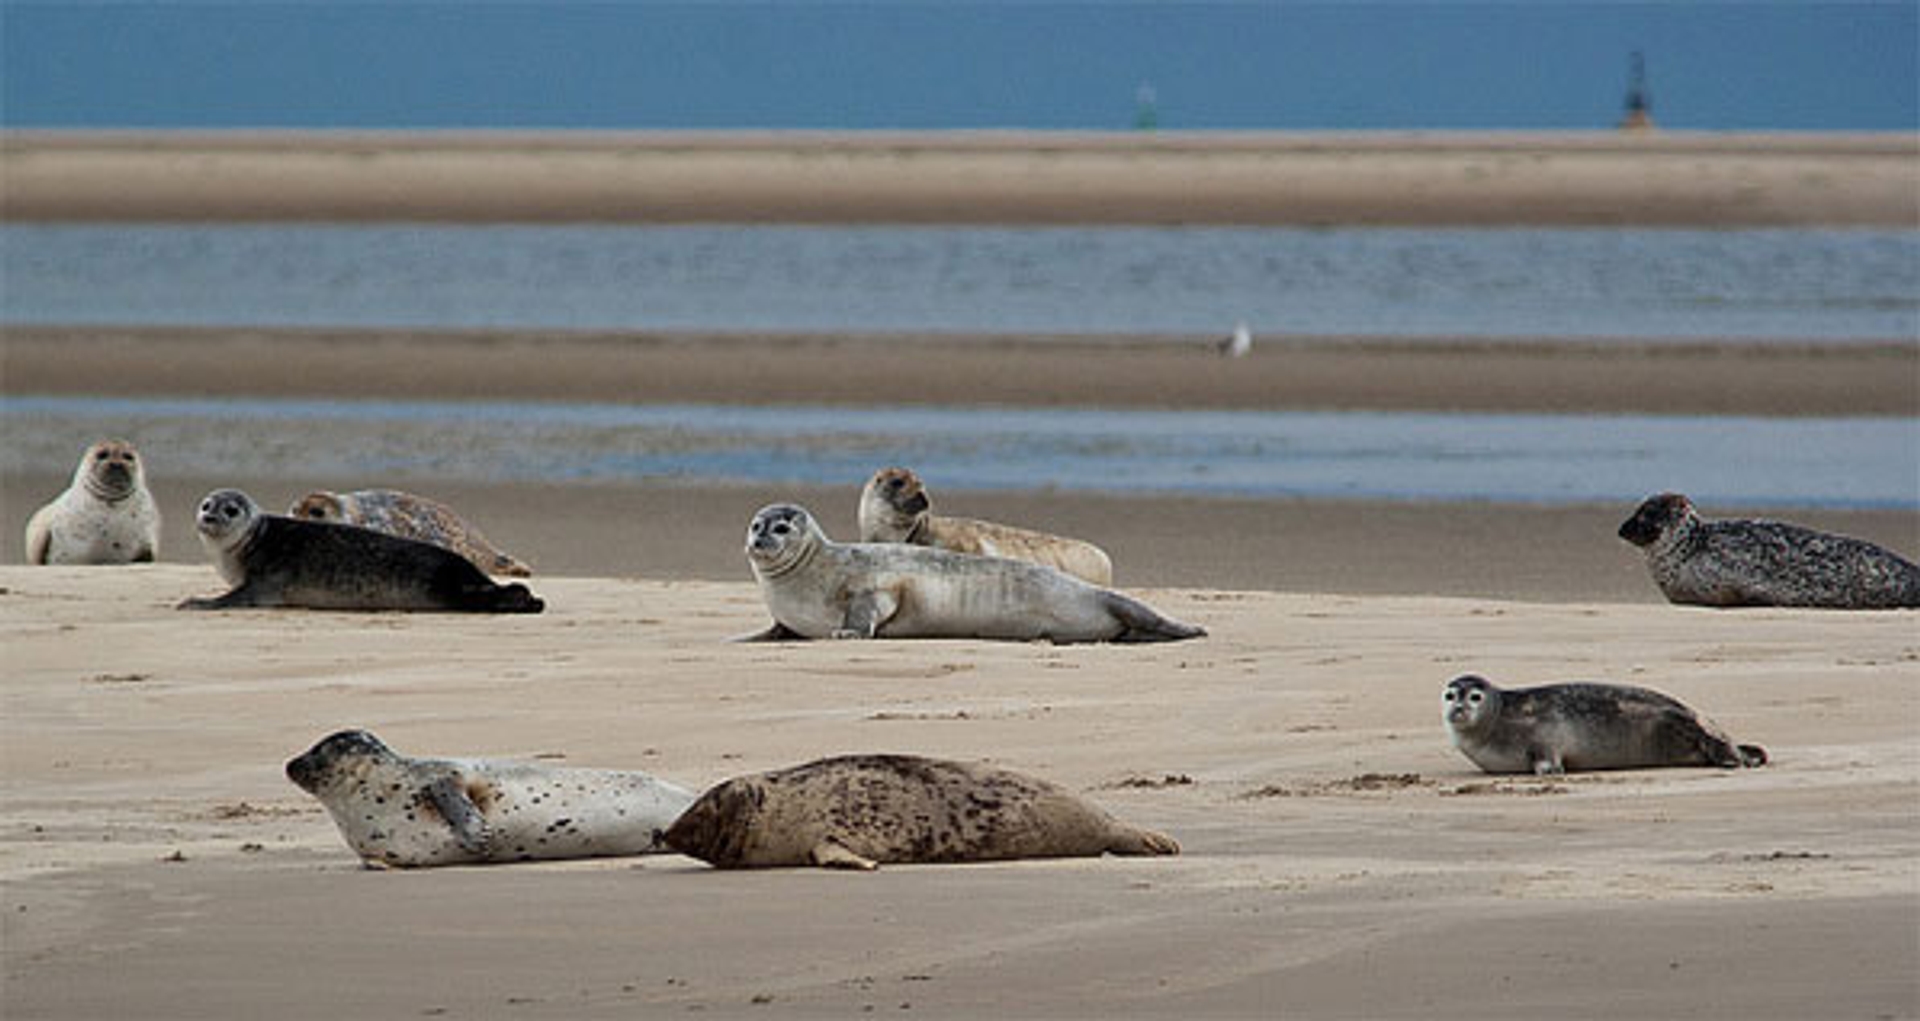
[225, 515]
[781, 538]
[1656, 516]
[336, 754]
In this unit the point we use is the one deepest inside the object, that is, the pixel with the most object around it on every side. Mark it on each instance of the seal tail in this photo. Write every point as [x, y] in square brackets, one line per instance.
[1144, 842]
[514, 598]
[1751, 755]
[1143, 623]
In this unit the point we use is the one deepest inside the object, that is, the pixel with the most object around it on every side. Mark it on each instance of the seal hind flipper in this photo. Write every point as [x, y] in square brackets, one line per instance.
[1751, 755]
[1144, 624]
[449, 797]
[514, 598]
[1144, 842]
[830, 855]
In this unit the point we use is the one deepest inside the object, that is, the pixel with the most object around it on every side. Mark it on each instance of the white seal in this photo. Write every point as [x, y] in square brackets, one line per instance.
[412, 813]
[106, 516]
[817, 588]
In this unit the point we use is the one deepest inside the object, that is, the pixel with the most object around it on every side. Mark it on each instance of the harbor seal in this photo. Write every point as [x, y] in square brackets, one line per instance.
[1764, 563]
[106, 516]
[414, 813]
[862, 811]
[409, 517]
[1557, 728]
[274, 561]
[817, 588]
[894, 507]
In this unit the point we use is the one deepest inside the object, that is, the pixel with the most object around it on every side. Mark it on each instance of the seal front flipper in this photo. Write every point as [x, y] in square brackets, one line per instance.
[241, 596]
[829, 855]
[449, 796]
[775, 632]
[866, 612]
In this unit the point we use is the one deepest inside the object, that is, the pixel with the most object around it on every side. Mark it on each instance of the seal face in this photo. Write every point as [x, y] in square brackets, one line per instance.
[1764, 563]
[275, 561]
[1560, 728]
[409, 517]
[861, 811]
[106, 516]
[817, 588]
[413, 813]
[894, 507]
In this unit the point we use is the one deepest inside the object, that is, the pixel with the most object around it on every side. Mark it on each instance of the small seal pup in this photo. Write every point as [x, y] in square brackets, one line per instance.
[413, 813]
[409, 517]
[274, 561]
[1557, 728]
[817, 588]
[106, 516]
[1764, 563]
[861, 811]
[894, 508]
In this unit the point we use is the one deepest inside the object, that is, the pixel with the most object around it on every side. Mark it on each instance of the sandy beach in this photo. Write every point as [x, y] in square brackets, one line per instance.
[1569, 178]
[1340, 860]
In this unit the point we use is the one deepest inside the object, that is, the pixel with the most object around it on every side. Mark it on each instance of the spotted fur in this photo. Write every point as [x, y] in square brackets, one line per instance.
[409, 517]
[894, 507]
[862, 811]
[1764, 563]
[1559, 728]
[413, 813]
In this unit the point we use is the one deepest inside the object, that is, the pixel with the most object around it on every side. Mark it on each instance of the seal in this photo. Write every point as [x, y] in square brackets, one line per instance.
[894, 508]
[409, 517]
[106, 516]
[817, 588]
[1764, 563]
[862, 811]
[1558, 728]
[402, 812]
[274, 561]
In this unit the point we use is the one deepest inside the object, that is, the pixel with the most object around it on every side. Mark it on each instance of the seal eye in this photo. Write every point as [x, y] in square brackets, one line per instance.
[1475, 697]
[229, 511]
[101, 456]
[781, 528]
[1449, 696]
[129, 456]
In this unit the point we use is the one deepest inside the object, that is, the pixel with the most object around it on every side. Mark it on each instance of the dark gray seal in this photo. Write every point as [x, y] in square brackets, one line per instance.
[274, 561]
[862, 811]
[414, 813]
[1764, 563]
[817, 588]
[1559, 728]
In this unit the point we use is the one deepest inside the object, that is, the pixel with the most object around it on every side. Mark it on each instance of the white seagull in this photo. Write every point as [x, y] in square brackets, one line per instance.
[1237, 345]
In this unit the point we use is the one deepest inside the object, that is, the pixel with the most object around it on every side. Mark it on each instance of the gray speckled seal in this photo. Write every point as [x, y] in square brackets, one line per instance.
[1559, 728]
[106, 516]
[862, 811]
[817, 588]
[275, 561]
[409, 517]
[413, 813]
[1764, 563]
[894, 507]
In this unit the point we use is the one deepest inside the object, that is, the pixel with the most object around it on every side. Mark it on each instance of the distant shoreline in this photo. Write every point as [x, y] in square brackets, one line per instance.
[1592, 178]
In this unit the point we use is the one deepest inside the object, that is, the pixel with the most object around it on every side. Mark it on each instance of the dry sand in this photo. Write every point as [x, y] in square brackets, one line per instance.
[1341, 860]
[1574, 178]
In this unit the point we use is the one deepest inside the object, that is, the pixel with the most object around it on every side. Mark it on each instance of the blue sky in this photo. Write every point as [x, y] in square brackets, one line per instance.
[1726, 66]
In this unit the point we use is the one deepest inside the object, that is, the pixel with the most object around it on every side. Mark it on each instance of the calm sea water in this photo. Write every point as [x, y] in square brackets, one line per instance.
[1849, 462]
[1764, 284]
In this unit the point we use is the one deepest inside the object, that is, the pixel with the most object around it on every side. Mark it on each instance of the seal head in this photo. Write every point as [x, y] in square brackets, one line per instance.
[781, 539]
[893, 506]
[1657, 516]
[337, 756]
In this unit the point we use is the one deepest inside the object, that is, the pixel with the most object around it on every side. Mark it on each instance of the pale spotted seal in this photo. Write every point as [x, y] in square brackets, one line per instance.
[411, 813]
[106, 516]
[862, 811]
[409, 517]
[1558, 728]
[894, 507]
[275, 561]
[817, 588]
[1764, 563]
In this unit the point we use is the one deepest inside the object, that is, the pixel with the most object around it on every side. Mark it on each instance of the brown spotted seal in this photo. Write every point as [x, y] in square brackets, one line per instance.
[412, 813]
[894, 507]
[1559, 728]
[275, 561]
[106, 516]
[409, 517]
[862, 811]
[1764, 563]
[817, 588]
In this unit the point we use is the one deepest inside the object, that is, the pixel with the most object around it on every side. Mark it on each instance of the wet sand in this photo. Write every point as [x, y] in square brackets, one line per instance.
[1378, 178]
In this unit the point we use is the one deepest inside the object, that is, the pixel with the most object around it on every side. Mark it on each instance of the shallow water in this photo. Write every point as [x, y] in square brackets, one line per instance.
[1836, 462]
[1631, 283]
